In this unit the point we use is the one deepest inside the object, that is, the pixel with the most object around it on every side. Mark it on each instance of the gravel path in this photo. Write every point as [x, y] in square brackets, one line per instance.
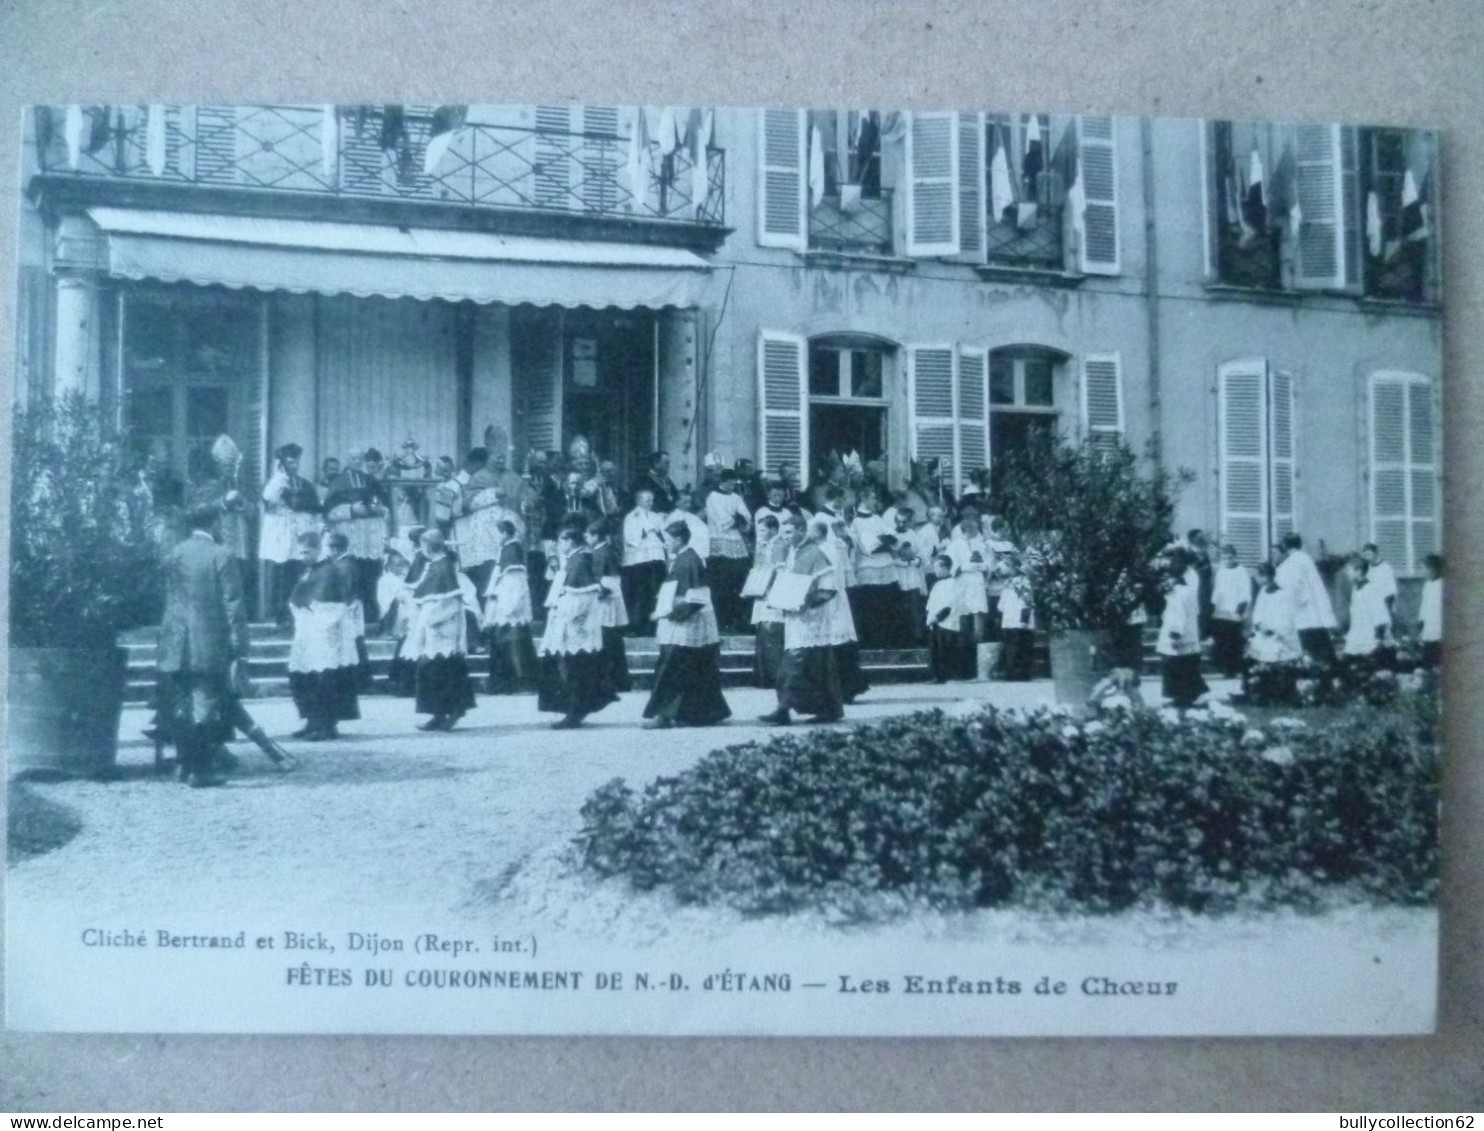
[386, 817]
[391, 830]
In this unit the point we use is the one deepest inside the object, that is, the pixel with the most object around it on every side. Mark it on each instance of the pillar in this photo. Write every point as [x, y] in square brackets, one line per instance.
[78, 352]
[680, 432]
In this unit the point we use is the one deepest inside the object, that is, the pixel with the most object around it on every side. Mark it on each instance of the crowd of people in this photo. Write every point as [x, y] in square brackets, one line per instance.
[1275, 624]
[453, 561]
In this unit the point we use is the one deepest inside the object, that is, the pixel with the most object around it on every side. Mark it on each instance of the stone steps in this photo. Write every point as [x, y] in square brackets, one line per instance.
[269, 650]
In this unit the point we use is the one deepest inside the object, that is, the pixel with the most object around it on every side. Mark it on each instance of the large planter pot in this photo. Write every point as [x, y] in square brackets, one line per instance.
[1075, 665]
[65, 705]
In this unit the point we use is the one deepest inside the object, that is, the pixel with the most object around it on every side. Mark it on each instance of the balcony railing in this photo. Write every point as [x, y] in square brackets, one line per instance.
[361, 153]
[1035, 244]
[866, 228]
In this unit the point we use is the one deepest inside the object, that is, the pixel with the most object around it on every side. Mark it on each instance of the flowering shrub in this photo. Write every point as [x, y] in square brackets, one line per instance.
[1203, 811]
[1091, 522]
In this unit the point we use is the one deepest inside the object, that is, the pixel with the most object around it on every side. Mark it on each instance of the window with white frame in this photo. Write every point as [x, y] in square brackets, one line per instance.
[1405, 505]
[1022, 398]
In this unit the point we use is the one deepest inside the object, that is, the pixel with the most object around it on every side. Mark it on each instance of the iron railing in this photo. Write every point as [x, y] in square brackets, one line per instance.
[1035, 242]
[865, 228]
[368, 152]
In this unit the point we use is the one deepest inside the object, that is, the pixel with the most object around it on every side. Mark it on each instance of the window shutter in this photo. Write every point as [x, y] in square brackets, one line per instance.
[1321, 243]
[930, 390]
[538, 354]
[553, 164]
[932, 207]
[971, 186]
[1283, 409]
[1422, 479]
[1404, 483]
[1098, 170]
[1102, 399]
[1243, 451]
[602, 157]
[973, 409]
[781, 214]
[783, 401]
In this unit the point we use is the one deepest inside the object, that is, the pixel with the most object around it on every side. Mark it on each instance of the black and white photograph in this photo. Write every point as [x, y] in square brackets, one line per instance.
[587, 568]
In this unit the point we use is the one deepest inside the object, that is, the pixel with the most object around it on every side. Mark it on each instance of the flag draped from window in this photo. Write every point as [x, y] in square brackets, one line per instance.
[329, 139]
[447, 121]
[154, 140]
[816, 167]
[700, 185]
[1001, 189]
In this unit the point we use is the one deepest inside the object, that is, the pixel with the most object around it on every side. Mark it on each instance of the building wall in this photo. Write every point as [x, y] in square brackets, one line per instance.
[918, 302]
[1331, 344]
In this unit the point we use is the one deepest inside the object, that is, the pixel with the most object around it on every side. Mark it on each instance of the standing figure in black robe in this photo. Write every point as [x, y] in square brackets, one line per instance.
[687, 679]
[507, 618]
[573, 679]
[437, 639]
[611, 607]
[809, 680]
[324, 670]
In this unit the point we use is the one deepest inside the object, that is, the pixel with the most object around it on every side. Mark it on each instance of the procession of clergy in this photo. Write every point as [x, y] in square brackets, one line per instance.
[858, 566]
[682, 565]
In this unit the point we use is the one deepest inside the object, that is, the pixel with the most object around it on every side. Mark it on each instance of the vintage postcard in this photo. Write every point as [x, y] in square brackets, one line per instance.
[704, 570]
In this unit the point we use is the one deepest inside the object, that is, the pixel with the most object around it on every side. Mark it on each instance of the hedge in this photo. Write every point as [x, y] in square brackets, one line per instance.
[1204, 811]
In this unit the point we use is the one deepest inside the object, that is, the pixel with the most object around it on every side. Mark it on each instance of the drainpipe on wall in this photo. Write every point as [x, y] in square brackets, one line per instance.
[1151, 288]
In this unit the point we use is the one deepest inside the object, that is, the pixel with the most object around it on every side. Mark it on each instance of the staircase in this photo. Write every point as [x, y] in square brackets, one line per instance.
[269, 654]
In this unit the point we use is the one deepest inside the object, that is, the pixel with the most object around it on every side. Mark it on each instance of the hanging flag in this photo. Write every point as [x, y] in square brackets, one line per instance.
[447, 121]
[155, 149]
[1238, 203]
[1001, 193]
[850, 199]
[100, 127]
[1414, 210]
[1373, 232]
[46, 128]
[683, 125]
[1254, 202]
[329, 140]
[816, 167]
[393, 128]
[72, 129]
[700, 182]
[1035, 156]
[1026, 213]
[664, 133]
[638, 144]
[1077, 201]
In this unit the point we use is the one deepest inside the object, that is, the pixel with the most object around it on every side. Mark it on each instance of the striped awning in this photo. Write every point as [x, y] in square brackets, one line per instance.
[311, 256]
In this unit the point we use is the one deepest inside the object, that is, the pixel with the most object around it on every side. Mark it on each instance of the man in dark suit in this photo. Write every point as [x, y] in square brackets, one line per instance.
[202, 637]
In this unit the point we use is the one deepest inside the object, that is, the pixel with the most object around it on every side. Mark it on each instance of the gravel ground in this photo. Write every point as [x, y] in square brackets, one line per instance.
[392, 830]
[387, 816]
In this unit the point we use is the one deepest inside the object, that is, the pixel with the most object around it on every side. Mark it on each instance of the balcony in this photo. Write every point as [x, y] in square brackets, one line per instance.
[863, 228]
[1033, 243]
[299, 153]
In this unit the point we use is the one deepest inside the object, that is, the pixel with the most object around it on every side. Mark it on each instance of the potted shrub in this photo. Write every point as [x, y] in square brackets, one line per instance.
[1090, 520]
[81, 571]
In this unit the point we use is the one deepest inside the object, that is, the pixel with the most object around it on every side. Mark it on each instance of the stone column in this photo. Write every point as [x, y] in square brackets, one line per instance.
[77, 355]
[678, 400]
[78, 352]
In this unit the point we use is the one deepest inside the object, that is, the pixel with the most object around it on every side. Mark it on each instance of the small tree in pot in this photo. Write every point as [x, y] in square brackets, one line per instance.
[81, 571]
[1091, 520]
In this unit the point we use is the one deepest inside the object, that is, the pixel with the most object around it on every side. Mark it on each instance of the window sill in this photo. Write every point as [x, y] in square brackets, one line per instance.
[858, 260]
[1030, 276]
[1274, 297]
